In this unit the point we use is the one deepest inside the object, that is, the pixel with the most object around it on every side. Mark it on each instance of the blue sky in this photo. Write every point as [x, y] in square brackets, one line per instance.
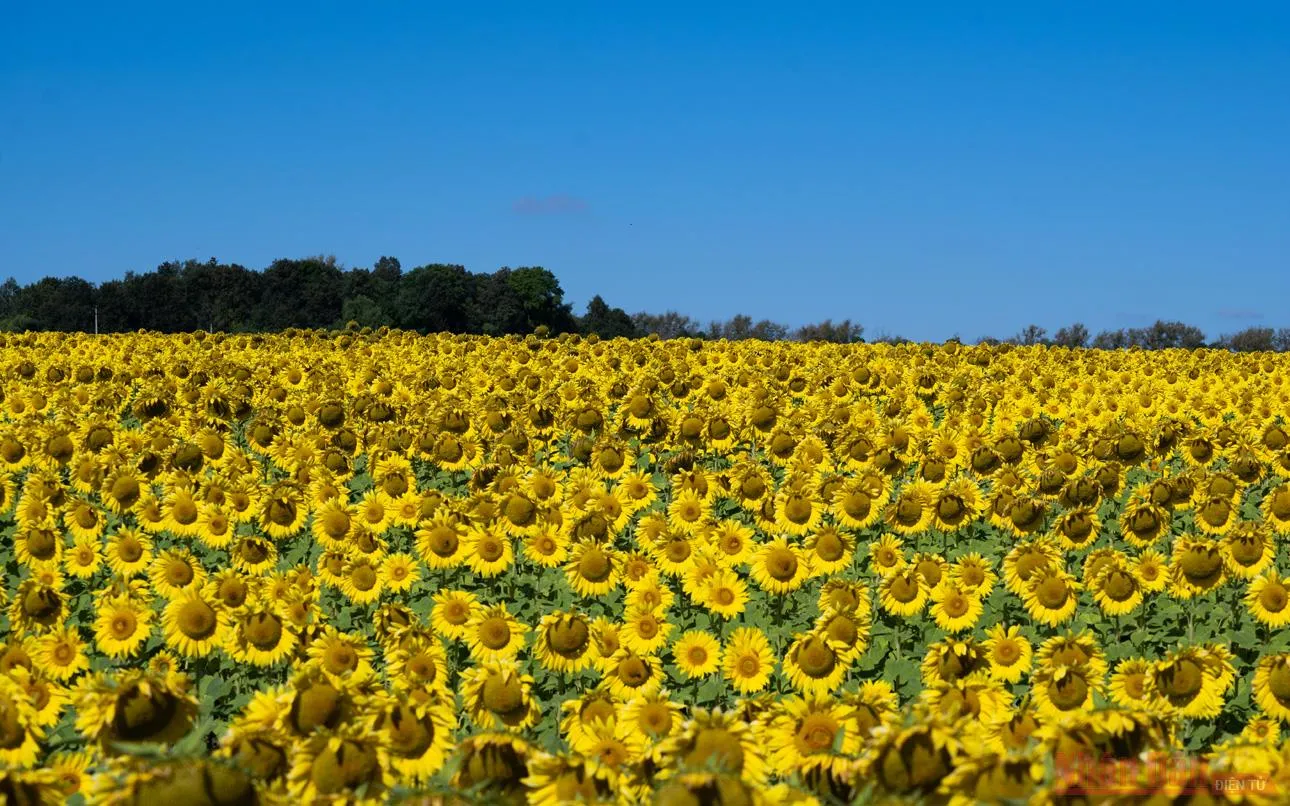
[927, 169]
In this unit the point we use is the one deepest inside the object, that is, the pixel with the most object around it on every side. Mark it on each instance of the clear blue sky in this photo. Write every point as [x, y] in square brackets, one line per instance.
[924, 168]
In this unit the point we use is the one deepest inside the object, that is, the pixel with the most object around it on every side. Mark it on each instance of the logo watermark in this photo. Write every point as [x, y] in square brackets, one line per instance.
[1174, 774]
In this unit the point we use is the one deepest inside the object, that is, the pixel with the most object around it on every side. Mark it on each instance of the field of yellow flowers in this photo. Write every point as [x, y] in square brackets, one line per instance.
[355, 567]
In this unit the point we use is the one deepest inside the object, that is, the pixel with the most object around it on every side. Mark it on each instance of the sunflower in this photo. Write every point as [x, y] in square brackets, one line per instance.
[628, 675]
[1151, 570]
[194, 624]
[1074, 650]
[399, 572]
[815, 664]
[649, 593]
[844, 594]
[554, 779]
[488, 552]
[978, 698]
[1196, 567]
[1116, 588]
[654, 717]
[953, 609]
[254, 554]
[748, 661]
[564, 642]
[547, 547]
[724, 593]
[1051, 596]
[343, 765]
[956, 504]
[904, 593]
[778, 568]
[1022, 562]
[697, 654]
[121, 625]
[1131, 684]
[717, 742]
[811, 733]
[829, 550]
[1248, 549]
[857, 503]
[83, 559]
[887, 555]
[973, 574]
[174, 571]
[687, 514]
[61, 653]
[1142, 524]
[1060, 690]
[912, 509]
[499, 697]
[20, 744]
[494, 765]
[362, 582]
[1008, 653]
[1267, 598]
[344, 658]
[128, 552]
[132, 705]
[734, 542]
[442, 542]
[260, 636]
[592, 569]
[494, 634]
[1272, 686]
[912, 762]
[1275, 508]
[1193, 681]
[613, 744]
[645, 631]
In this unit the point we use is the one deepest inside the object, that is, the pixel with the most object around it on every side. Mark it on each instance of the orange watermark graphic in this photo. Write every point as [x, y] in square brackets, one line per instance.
[1162, 773]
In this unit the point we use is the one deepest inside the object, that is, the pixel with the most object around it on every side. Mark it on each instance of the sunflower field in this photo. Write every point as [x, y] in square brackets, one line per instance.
[370, 566]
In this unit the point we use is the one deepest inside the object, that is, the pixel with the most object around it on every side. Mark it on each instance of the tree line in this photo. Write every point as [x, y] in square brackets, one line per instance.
[317, 292]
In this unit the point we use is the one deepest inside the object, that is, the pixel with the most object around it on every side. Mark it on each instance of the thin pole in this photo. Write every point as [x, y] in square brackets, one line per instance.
[96, 320]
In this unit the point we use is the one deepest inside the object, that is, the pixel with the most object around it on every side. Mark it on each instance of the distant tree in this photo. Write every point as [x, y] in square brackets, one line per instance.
[606, 322]
[668, 325]
[843, 332]
[1111, 340]
[363, 311]
[1074, 336]
[435, 298]
[1281, 341]
[1030, 335]
[1250, 340]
